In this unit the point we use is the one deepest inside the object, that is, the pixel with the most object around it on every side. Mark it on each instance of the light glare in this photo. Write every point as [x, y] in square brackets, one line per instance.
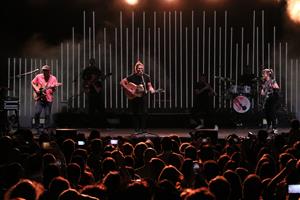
[131, 2]
[293, 9]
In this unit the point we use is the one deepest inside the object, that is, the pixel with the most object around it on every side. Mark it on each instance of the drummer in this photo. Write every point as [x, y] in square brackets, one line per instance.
[247, 80]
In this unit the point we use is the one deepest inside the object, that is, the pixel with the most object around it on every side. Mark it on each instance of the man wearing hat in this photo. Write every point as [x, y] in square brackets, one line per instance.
[270, 94]
[44, 85]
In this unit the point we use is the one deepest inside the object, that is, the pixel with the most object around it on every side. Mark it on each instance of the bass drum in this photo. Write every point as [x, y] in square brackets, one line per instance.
[241, 104]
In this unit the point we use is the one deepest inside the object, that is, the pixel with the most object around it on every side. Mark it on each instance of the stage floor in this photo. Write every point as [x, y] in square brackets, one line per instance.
[161, 132]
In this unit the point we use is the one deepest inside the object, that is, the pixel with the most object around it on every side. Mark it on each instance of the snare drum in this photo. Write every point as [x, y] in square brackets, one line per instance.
[241, 104]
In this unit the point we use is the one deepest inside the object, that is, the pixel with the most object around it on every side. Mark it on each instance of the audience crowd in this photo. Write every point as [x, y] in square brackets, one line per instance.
[263, 165]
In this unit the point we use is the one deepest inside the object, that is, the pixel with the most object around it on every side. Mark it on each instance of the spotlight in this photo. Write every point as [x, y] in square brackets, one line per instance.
[293, 9]
[131, 2]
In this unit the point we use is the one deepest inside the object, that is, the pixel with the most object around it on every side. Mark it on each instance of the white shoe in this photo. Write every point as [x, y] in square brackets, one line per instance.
[275, 131]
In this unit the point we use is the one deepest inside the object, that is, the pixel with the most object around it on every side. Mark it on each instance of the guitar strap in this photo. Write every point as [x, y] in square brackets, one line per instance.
[144, 84]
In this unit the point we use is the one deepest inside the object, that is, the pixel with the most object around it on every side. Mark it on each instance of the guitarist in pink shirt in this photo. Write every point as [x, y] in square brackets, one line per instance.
[44, 85]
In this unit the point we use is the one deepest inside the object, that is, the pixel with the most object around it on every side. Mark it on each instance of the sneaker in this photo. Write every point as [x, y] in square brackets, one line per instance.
[275, 131]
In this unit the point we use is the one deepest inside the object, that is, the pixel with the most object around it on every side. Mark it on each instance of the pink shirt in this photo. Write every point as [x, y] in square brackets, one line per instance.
[41, 82]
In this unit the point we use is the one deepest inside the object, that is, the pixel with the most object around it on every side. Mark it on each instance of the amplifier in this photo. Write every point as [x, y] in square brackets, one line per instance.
[11, 105]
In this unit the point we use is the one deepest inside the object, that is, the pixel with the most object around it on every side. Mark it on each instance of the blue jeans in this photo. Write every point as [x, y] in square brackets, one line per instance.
[39, 107]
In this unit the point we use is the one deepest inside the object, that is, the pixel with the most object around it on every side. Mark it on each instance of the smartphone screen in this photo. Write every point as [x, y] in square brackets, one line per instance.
[80, 143]
[114, 141]
[294, 189]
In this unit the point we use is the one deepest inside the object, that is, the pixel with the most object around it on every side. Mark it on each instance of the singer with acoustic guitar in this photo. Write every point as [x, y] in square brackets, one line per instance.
[136, 87]
[44, 85]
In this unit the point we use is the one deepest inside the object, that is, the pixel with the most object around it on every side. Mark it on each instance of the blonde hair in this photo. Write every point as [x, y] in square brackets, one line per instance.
[137, 64]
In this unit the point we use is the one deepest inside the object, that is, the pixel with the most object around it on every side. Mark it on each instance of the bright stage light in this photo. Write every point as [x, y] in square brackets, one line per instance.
[131, 2]
[293, 8]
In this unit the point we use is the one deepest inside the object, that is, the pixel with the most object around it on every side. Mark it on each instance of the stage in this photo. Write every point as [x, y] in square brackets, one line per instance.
[221, 133]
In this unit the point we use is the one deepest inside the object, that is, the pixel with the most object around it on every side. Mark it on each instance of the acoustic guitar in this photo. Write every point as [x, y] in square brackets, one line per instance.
[139, 90]
[94, 81]
[41, 94]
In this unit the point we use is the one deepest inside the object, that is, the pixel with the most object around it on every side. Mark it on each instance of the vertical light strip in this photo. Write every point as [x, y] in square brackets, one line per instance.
[225, 54]
[192, 63]
[175, 58]
[165, 62]
[253, 40]
[154, 55]
[78, 76]
[8, 75]
[181, 58]
[94, 36]
[84, 41]
[90, 43]
[296, 85]
[14, 78]
[198, 54]
[203, 44]
[220, 69]
[105, 91]
[214, 67]
[230, 59]
[144, 35]
[116, 68]
[25, 88]
[20, 85]
[132, 39]
[170, 62]
[138, 44]
[242, 52]
[236, 62]
[67, 68]
[257, 52]
[84, 53]
[274, 50]
[110, 80]
[61, 70]
[127, 61]
[121, 56]
[159, 47]
[263, 37]
[208, 55]
[280, 65]
[186, 68]
[56, 74]
[286, 77]
[73, 68]
[31, 77]
[269, 52]
[149, 58]
[291, 85]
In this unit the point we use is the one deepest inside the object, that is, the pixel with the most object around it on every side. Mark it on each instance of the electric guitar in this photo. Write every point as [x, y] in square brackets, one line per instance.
[41, 94]
[139, 90]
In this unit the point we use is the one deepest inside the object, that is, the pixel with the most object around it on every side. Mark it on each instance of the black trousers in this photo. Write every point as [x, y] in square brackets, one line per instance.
[271, 106]
[138, 107]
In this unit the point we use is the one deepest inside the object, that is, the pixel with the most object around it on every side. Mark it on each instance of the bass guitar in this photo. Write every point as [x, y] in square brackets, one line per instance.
[139, 90]
[41, 94]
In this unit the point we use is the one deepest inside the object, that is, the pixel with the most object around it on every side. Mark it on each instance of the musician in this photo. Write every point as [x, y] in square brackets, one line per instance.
[44, 85]
[270, 93]
[138, 102]
[203, 94]
[93, 87]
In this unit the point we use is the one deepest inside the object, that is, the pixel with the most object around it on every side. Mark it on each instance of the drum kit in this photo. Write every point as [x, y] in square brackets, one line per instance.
[239, 94]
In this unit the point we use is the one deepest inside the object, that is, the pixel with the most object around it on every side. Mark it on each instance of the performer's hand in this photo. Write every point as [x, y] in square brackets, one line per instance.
[151, 90]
